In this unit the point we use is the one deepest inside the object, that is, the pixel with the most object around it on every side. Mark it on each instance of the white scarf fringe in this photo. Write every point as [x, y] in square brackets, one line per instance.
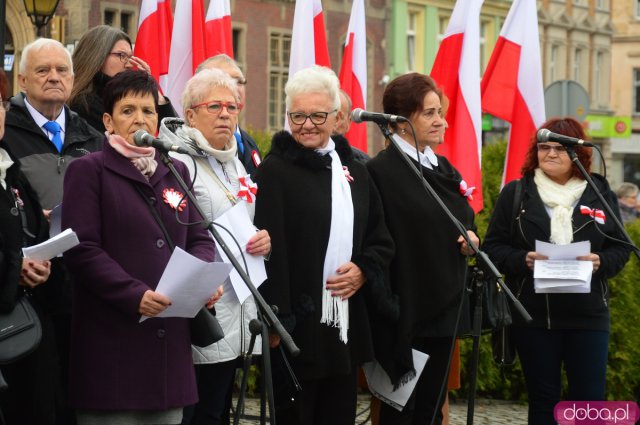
[335, 310]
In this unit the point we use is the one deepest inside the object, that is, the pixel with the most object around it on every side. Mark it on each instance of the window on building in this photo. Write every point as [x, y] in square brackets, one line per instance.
[279, 52]
[636, 91]
[577, 65]
[597, 78]
[236, 35]
[637, 9]
[109, 17]
[553, 64]
[411, 40]
[602, 4]
[125, 21]
[443, 23]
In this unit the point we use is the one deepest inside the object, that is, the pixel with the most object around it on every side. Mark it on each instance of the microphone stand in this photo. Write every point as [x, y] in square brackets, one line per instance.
[266, 314]
[574, 157]
[483, 260]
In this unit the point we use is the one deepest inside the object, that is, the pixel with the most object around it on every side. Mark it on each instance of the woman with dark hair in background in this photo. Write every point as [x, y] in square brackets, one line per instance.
[101, 53]
[124, 371]
[429, 268]
[569, 330]
[34, 392]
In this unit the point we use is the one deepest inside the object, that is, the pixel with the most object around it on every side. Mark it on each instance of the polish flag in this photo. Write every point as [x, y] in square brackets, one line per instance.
[187, 47]
[512, 84]
[308, 30]
[353, 72]
[218, 26]
[153, 41]
[457, 71]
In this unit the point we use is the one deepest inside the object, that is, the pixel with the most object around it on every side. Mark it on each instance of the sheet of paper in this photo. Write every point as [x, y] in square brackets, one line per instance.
[562, 273]
[380, 384]
[189, 282]
[52, 247]
[237, 220]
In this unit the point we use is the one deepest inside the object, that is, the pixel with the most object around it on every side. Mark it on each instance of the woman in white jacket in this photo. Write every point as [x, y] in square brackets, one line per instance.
[211, 106]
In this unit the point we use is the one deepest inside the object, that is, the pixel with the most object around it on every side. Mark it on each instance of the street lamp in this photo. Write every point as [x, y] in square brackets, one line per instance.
[40, 11]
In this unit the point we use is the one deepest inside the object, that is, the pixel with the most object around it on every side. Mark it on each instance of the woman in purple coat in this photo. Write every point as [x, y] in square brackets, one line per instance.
[123, 371]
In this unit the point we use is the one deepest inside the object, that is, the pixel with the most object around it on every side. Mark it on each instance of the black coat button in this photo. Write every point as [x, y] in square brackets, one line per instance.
[159, 243]
[161, 333]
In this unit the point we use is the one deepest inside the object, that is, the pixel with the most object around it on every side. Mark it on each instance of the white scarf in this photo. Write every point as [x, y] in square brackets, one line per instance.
[5, 163]
[335, 310]
[561, 199]
[428, 157]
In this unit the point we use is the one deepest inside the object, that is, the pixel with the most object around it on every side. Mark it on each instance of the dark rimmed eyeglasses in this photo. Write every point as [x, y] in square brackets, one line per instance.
[545, 148]
[124, 57]
[317, 118]
[215, 107]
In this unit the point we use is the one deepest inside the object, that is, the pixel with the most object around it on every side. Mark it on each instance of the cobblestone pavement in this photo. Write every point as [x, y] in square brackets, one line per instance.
[486, 412]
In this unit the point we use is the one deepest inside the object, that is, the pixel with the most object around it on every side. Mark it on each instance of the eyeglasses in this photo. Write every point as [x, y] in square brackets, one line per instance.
[215, 107]
[124, 57]
[5, 105]
[317, 118]
[544, 148]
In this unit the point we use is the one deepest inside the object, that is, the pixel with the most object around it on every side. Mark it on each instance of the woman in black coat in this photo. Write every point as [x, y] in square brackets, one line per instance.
[429, 268]
[329, 250]
[568, 329]
[34, 390]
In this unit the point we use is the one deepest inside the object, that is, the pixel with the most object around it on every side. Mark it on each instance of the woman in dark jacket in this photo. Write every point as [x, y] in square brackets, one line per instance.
[429, 267]
[330, 248]
[124, 371]
[101, 53]
[568, 329]
[34, 389]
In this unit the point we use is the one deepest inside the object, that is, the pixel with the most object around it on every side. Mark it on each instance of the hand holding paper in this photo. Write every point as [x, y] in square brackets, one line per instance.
[562, 273]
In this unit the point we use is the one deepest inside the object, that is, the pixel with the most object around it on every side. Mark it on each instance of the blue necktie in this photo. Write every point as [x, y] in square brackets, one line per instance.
[54, 128]
[238, 137]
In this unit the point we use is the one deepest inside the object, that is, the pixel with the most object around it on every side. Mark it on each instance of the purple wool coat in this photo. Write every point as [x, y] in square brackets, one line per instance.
[117, 363]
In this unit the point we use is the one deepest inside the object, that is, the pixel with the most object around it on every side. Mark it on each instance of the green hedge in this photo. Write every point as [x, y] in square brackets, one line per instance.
[623, 374]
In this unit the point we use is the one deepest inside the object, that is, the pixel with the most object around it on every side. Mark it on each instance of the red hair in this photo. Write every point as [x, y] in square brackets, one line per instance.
[569, 127]
[4, 86]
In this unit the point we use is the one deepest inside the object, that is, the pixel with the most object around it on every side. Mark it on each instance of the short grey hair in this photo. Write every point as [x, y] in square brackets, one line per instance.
[627, 189]
[38, 45]
[217, 61]
[315, 79]
[199, 85]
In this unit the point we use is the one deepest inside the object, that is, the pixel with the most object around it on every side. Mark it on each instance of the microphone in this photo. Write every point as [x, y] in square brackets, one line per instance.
[142, 138]
[544, 135]
[358, 116]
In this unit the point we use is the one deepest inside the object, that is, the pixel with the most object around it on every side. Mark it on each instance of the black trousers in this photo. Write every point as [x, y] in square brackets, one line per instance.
[215, 387]
[424, 400]
[329, 401]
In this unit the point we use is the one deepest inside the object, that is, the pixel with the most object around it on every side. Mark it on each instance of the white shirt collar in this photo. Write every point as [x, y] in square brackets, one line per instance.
[41, 120]
[428, 157]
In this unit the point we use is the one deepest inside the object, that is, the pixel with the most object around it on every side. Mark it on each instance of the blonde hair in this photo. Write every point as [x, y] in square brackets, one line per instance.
[199, 85]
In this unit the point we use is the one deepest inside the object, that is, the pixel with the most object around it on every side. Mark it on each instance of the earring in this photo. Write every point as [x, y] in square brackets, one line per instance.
[403, 131]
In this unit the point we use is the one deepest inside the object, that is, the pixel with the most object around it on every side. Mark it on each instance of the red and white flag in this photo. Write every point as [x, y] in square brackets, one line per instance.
[308, 30]
[353, 72]
[512, 84]
[153, 41]
[218, 26]
[187, 48]
[457, 70]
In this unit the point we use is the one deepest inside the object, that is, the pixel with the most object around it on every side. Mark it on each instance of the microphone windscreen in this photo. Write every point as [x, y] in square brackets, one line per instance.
[543, 135]
[139, 138]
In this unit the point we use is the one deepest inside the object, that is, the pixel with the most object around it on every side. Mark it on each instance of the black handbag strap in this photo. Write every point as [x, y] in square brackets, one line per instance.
[517, 199]
[156, 216]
